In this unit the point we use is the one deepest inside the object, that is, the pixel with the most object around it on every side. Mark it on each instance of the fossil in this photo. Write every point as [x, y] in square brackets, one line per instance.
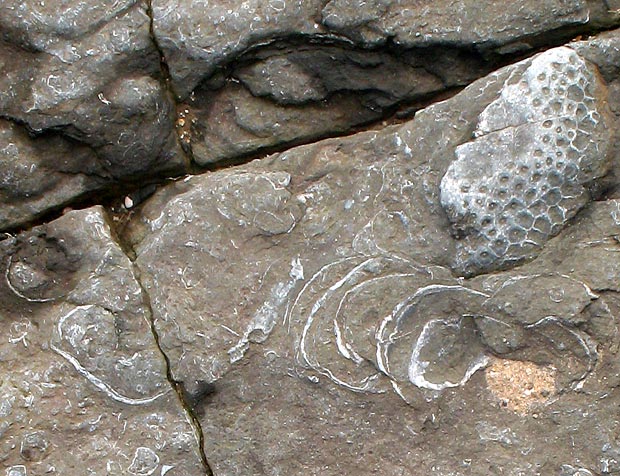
[369, 324]
[526, 172]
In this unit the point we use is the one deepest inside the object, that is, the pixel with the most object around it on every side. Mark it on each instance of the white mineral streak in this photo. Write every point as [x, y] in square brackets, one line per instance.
[384, 340]
[24, 271]
[266, 316]
[511, 188]
[346, 349]
[615, 214]
[325, 316]
[418, 367]
[306, 357]
[96, 381]
[17, 470]
[315, 277]
[520, 277]
[319, 302]
[145, 462]
[165, 468]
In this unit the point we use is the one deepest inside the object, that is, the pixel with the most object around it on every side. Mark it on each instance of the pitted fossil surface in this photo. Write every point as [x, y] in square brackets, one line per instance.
[535, 150]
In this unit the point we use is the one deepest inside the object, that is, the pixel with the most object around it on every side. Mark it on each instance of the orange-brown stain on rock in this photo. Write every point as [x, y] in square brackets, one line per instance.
[184, 121]
[520, 386]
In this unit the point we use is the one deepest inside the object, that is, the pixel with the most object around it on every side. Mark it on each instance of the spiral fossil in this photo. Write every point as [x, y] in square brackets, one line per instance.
[359, 327]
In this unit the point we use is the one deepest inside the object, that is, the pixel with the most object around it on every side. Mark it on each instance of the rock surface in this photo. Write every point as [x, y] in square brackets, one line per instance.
[88, 74]
[157, 88]
[83, 383]
[335, 263]
[438, 294]
[289, 93]
[522, 178]
[256, 75]
[199, 37]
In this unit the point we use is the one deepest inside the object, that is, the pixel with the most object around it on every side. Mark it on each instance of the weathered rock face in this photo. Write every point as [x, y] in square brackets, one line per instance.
[39, 174]
[434, 296]
[87, 73]
[522, 177]
[247, 77]
[414, 22]
[293, 92]
[338, 263]
[255, 75]
[200, 37]
[82, 382]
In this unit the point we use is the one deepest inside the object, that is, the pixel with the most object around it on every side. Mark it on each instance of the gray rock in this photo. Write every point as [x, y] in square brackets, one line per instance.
[293, 94]
[254, 76]
[603, 51]
[490, 26]
[199, 38]
[439, 296]
[90, 74]
[231, 123]
[40, 174]
[317, 294]
[83, 383]
[311, 73]
[536, 147]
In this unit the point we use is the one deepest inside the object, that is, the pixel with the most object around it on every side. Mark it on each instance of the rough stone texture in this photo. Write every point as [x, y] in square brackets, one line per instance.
[246, 77]
[316, 294]
[296, 93]
[522, 177]
[232, 123]
[255, 75]
[324, 310]
[414, 22]
[199, 37]
[604, 50]
[83, 387]
[38, 174]
[86, 72]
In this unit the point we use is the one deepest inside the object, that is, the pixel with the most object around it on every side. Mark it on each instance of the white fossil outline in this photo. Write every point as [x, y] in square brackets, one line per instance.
[93, 379]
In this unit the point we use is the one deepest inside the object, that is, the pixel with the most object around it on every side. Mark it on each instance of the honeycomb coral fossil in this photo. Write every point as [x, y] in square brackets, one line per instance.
[525, 173]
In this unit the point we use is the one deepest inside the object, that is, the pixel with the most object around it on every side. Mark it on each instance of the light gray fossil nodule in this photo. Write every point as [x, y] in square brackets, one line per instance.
[526, 172]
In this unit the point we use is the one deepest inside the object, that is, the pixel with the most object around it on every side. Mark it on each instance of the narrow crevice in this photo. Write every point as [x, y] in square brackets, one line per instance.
[173, 383]
[399, 114]
[163, 64]
[111, 195]
[176, 386]
[168, 86]
[187, 408]
[200, 440]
